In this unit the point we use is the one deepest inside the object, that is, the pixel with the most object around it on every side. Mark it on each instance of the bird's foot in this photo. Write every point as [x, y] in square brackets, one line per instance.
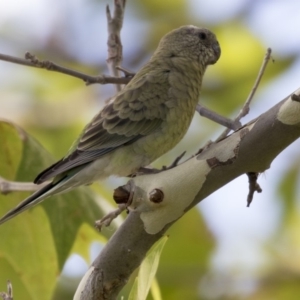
[147, 171]
[144, 171]
[174, 163]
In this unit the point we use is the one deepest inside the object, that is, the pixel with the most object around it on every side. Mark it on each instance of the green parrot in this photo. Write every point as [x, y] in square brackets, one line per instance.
[146, 119]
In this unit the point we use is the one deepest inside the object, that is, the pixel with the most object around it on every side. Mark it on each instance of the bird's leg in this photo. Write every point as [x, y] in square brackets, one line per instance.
[149, 171]
[7, 186]
[144, 171]
[174, 163]
[209, 114]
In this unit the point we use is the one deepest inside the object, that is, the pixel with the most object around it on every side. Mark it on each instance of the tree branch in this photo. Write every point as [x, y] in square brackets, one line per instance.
[9, 294]
[181, 187]
[246, 108]
[7, 186]
[33, 61]
[115, 48]
[213, 116]
[253, 186]
[250, 149]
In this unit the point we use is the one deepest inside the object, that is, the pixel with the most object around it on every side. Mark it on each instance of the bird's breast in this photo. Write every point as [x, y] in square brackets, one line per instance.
[180, 101]
[178, 119]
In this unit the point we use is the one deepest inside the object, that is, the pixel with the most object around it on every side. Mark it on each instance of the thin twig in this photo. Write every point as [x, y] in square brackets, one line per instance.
[115, 49]
[211, 115]
[126, 72]
[246, 108]
[9, 294]
[124, 196]
[253, 186]
[33, 61]
[7, 186]
[174, 163]
[150, 170]
[106, 220]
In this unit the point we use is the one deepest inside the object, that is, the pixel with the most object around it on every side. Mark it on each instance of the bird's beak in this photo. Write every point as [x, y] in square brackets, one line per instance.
[217, 49]
[217, 52]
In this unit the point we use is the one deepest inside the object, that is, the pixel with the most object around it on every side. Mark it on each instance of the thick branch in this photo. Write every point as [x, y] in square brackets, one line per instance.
[251, 149]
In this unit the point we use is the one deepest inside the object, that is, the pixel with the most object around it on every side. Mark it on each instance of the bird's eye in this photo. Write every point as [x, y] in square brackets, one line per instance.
[202, 35]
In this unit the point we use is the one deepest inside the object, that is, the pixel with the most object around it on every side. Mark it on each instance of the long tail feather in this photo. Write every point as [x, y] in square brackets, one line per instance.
[32, 200]
[60, 184]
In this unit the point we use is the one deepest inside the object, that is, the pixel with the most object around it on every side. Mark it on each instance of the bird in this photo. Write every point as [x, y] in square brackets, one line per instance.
[143, 121]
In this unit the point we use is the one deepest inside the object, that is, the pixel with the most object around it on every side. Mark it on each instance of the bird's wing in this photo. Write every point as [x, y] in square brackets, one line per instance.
[137, 111]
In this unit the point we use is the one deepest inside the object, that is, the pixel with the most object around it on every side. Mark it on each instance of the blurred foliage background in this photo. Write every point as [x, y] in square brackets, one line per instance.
[222, 250]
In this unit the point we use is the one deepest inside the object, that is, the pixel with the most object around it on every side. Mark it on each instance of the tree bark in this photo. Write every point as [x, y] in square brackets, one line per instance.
[250, 149]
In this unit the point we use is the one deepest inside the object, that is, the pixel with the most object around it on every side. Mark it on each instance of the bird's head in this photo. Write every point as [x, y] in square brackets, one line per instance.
[191, 42]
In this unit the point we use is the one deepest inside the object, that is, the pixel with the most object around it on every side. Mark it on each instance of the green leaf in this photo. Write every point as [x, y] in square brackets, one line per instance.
[134, 291]
[11, 147]
[81, 246]
[27, 258]
[147, 271]
[155, 290]
[287, 189]
[35, 244]
[193, 243]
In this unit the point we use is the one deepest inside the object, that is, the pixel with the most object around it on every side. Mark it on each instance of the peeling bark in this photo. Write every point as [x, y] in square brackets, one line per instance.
[250, 149]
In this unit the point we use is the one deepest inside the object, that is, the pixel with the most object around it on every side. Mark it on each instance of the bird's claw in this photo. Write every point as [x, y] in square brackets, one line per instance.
[147, 171]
